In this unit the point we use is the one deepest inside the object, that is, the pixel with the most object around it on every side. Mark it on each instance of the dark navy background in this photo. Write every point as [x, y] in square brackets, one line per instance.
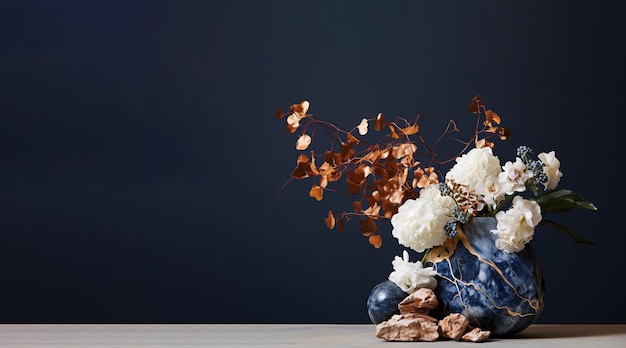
[140, 157]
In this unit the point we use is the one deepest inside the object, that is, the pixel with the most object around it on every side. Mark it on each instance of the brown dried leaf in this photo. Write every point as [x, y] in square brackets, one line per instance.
[355, 181]
[300, 109]
[491, 116]
[347, 152]
[290, 128]
[329, 158]
[363, 127]
[504, 133]
[373, 211]
[389, 208]
[376, 240]
[367, 226]
[425, 177]
[357, 206]
[410, 130]
[341, 224]
[303, 142]
[352, 139]
[392, 132]
[304, 168]
[279, 113]
[330, 220]
[316, 192]
[379, 122]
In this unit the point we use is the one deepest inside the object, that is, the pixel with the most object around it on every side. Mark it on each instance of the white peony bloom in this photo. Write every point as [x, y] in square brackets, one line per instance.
[514, 176]
[410, 276]
[516, 226]
[551, 169]
[420, 223]
[472, 168]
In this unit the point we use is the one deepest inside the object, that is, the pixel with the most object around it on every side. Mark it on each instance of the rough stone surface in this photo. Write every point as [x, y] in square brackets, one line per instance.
[420, 301]
[412, 327]
[476, 335]
[453, 326]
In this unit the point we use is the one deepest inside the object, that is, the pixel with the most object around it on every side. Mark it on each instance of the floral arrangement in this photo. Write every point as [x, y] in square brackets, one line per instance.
[399, 178]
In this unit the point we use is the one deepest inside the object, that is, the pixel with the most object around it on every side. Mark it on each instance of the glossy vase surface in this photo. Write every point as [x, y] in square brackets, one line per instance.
[498, 291]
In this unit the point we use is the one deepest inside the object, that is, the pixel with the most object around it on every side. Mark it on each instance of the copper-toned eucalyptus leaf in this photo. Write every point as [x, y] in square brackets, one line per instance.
[376, 241]
[290, 128]
[279, 113]
[304, 168]
[352, 139]
[491, 117]
[410, 130]
[316, 192]
[367, 226]
[355, 181]
[357, 206]
[392, 132]
[329, 157]
[303, 142]
[300, 109]
[347, 152]
[505, 133]
[379, 122]
[330, 220]
[475, 105]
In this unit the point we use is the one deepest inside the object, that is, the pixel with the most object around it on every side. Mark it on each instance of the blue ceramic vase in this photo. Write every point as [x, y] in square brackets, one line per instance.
[500, 292]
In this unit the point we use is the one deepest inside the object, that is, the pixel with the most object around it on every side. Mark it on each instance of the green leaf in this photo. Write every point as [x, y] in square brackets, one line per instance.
[566, 230]
[561, 200]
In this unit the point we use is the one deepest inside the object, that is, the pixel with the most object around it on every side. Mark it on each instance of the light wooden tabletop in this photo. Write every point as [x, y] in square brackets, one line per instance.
[281, 335]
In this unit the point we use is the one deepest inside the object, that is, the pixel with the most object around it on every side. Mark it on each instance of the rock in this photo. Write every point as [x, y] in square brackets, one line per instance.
[420, 301]
[453, 326]
[476, 335]
[411, 327]
[383, 301]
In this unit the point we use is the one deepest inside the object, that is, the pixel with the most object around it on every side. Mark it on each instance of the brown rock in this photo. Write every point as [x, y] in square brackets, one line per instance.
[421, 300]
[412, 327]
[453, 326]
[476, 335]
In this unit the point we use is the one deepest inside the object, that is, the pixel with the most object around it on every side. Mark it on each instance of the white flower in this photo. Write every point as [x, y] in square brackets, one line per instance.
[516, 226]
[514, 176]
[551, 169]
[491, 191]
[473, 168]
[420, 223]
[410, 276]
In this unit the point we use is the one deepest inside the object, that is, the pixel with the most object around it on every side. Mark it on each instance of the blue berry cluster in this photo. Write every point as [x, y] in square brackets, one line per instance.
[458, 214]
[526, 154]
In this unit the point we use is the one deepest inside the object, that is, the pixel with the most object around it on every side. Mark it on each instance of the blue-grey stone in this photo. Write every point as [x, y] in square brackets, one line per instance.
[383, 301]
[497, 291]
